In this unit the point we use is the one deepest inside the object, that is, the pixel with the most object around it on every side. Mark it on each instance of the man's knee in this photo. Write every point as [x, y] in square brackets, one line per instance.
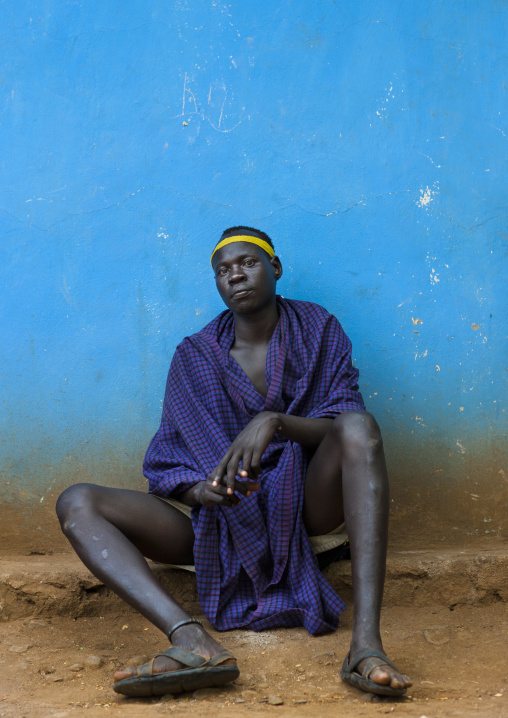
[358, 434]
[76, 498]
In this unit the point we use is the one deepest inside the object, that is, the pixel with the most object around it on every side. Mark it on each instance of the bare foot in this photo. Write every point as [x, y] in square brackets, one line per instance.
[383, 674]
[192, 638]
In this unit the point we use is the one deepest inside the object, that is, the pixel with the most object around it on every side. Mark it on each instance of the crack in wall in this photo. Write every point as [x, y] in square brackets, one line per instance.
[292, 205]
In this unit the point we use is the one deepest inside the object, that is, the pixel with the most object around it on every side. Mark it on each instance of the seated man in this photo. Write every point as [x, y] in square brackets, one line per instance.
[265, 435]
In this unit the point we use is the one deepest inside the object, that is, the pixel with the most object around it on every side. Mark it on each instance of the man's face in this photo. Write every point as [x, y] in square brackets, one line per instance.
[245, 276]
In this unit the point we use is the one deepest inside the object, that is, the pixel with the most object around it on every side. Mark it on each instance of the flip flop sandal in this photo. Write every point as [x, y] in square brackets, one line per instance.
[362, 681]
[199, 672]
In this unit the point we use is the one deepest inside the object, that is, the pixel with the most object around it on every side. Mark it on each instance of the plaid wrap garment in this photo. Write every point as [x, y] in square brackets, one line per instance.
[255, 566]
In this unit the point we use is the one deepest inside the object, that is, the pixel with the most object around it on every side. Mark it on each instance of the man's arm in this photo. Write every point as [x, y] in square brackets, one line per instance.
[250, 444]
[247, 449]
[307, 432]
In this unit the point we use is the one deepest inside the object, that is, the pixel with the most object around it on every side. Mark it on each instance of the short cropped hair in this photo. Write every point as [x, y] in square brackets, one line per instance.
[236, 230]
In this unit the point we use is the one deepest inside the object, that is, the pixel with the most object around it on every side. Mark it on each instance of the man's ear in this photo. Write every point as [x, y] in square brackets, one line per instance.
[277, 267]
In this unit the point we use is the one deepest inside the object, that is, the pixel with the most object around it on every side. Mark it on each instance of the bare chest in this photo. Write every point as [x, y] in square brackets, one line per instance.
[253, 362]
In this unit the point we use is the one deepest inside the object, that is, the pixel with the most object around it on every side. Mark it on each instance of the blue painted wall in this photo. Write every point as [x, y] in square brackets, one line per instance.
[369, 139]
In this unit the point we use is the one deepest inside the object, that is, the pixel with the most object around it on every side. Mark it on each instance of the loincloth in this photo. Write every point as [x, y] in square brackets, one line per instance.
[320, 544]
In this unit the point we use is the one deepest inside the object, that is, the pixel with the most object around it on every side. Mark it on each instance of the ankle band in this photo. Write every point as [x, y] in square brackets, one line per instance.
[185, 622]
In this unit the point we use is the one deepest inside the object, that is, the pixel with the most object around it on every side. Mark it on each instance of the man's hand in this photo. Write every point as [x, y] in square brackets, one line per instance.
[222, 484]
[247, 448]
[208, 493]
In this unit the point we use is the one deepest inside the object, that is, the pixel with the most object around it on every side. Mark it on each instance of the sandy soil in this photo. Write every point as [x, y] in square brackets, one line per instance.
[63, 667]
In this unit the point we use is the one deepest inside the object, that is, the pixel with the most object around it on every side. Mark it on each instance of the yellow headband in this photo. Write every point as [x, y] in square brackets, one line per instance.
[245, 238]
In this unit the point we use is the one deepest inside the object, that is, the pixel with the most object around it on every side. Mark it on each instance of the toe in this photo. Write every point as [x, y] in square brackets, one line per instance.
[380, 675]
[161, 664]
[124, 673]
[400, 681]
[397, 681]
[386, 676]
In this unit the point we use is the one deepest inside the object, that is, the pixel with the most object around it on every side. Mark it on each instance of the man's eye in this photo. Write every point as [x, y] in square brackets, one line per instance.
[249, 262]
[222, 271]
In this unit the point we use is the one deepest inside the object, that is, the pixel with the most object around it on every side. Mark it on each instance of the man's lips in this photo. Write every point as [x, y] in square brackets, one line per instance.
[240, 293]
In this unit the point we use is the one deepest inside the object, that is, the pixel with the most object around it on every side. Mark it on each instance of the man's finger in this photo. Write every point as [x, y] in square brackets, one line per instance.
[231, 472]
[219, 495]
[220, 469]
[241, 487]
[247, 487]
[256, 463]
[246, 464]
[225, 498]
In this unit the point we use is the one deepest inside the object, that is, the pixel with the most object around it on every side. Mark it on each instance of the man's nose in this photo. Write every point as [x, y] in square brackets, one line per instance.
[236, 274]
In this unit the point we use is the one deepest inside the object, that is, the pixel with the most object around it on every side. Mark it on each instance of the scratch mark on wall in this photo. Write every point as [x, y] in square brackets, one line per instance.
[65, 291]
[185, 90]
[121, 202]
[360, 201]
[223, 103]
[462, 226]
[332, 212]
[216, 125]
[499, 130]
[429, 158]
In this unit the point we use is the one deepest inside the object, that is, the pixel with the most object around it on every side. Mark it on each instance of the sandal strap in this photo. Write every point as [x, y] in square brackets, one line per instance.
[220, 658]
[185, 622]
[373, 663]
[146, 670]
[376, 659]
[186, 658]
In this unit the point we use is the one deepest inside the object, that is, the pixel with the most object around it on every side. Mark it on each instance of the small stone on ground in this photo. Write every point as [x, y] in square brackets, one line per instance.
[93, 662]
[437, 635]
[275, 701]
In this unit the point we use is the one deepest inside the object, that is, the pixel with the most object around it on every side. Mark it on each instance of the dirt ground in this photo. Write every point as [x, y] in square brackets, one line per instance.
[62, 667]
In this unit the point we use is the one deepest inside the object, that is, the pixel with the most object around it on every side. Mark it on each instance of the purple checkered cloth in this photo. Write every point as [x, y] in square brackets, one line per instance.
[255, 565]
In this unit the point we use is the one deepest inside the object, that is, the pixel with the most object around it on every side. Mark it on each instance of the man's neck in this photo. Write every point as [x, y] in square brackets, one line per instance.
[252, 329]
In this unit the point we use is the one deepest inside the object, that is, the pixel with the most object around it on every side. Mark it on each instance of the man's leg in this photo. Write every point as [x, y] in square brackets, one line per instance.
[112, 530]
[346, 481]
